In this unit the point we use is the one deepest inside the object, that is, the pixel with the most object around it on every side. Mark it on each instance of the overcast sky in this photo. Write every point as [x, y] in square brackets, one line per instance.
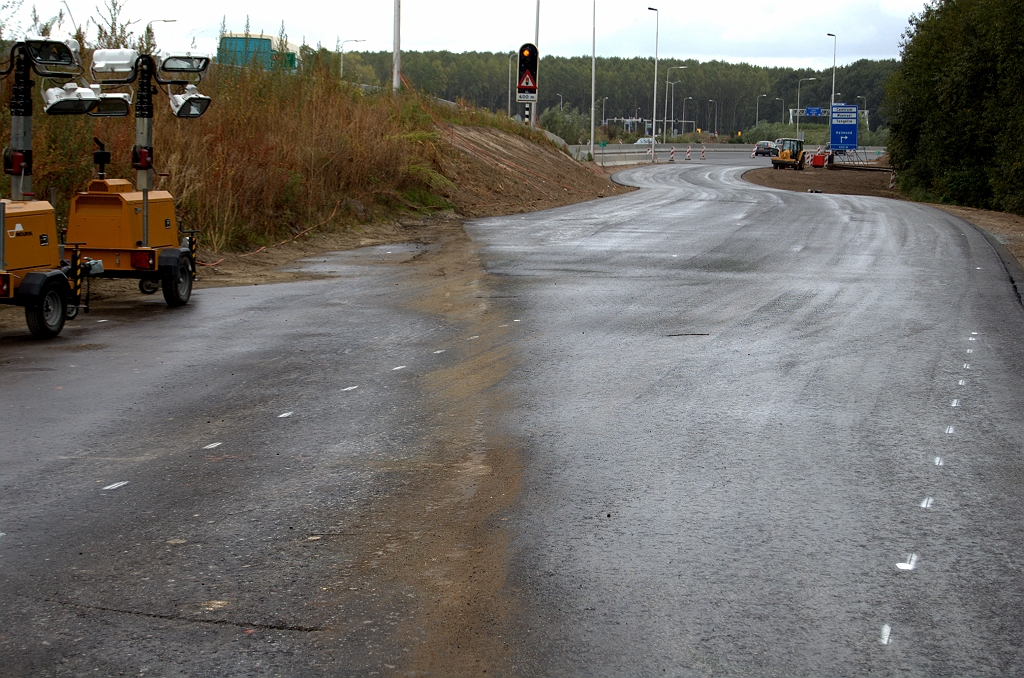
[763, 32]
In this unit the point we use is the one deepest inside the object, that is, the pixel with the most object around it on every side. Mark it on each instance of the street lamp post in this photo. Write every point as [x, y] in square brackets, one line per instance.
[559, 101]
[674, 83]
[866, 121]
[654, 107]
[664, 127]
[604, 118]
[798, 104]
[684, 112]
[715, 102]
[757, 109]
[783, 109]
[341, 72]
[593, 79]
[834, 42]
[396, 57]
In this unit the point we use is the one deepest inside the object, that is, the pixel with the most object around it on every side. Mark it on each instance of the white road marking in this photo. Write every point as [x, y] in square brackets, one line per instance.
[515, 321]
[950, 429]
[971, 338]
[974, 333]
[970, 350]
[211, 446]
[886, 631]
[116, 485]
[910, 564]
[962, 382]
[674, 256]
[955, 403]
[443, 350]
[400, 367]
[350, 388]
[475, 336]
[3, 534]
[938, 461]
[967, 366]
[927, 502]
[102, 321]
[286, 414]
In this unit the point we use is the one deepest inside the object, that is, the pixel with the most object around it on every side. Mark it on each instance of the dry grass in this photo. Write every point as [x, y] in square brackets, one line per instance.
[274, 154]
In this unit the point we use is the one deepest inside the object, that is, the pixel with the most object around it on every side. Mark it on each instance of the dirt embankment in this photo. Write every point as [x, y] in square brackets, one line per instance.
[493, 173]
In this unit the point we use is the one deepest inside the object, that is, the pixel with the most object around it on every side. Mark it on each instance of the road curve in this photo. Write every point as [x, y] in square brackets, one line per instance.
[769, 433]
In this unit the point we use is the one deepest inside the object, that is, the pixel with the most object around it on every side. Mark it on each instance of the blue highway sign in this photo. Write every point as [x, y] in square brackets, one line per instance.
[813, 112]
[844, 127]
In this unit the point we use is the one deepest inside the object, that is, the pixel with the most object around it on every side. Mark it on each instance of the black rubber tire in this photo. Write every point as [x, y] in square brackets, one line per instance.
[72, 312]
[46, 315]
[177, 282]
[149, 285]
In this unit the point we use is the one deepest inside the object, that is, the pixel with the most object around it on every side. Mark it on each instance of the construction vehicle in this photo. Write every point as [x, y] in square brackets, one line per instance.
[133, 229]
[33, 271]
[791, 154]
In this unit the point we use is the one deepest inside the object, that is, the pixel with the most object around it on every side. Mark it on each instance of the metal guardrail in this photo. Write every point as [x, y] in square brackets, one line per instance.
[637, 154]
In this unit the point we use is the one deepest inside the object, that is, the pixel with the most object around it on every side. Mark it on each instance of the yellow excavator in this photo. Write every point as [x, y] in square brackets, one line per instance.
[791, 154]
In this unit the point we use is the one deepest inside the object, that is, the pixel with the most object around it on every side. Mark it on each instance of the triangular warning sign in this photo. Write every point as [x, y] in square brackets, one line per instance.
[527, 81]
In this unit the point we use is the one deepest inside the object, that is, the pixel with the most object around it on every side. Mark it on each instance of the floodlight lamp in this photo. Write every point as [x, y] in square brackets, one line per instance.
[114, 60]
[47, 52]
[191, 104]
[116, 105]
[69, 100]
[185, 63]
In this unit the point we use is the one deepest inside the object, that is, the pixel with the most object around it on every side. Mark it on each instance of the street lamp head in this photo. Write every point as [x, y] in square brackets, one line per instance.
[831, 35]
[653, 9]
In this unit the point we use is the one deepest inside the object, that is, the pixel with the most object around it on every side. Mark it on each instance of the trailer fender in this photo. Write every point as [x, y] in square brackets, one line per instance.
[168, 257]
[30, 292]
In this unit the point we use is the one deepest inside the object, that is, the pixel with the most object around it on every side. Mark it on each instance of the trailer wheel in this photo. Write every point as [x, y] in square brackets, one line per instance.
[149, 285]
[72, 312]
[177, 282]
[45, 317]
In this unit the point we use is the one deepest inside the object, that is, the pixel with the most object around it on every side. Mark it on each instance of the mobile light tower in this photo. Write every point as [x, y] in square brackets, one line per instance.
[802, 80]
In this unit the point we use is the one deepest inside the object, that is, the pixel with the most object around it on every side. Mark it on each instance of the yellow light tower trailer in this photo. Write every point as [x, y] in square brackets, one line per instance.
[33, 270]
[133, 229]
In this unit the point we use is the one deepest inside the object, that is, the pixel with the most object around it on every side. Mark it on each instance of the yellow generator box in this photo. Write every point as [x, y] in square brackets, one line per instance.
[30, 236]
[108, 216]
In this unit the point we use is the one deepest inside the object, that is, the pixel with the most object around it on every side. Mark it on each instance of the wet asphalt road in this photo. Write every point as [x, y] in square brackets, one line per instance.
[739, 412]
[747, 412]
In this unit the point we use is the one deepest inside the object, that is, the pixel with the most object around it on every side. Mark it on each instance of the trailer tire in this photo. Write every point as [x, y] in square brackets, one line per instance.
[176, 281]
[72, 312]
[149, 285]
[45, 315]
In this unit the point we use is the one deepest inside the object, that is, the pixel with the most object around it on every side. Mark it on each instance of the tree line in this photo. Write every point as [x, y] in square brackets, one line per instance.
[955, 106]
[482, 78]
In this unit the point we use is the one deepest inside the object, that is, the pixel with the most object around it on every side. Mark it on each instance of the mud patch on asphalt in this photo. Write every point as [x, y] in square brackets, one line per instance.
[441, 542]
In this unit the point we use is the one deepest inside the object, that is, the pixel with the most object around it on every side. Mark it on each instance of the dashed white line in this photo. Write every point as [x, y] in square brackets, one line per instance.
[927, 502]
[910, 564]
[955, 403]
[116, 485]
[211, 446]
[970, 350]
[400, 367]
[975, 334]
[967, 366]
[939, 461]
[350, 388]
[102, 321]
[475, 336]
[971, 338]
[886, 632]
[441, 351]
[962, 382]
[950, 429]
[516, 321]
[286, 414]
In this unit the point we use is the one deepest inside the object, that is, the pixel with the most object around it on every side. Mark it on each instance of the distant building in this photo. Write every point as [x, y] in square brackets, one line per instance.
[239, 49]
